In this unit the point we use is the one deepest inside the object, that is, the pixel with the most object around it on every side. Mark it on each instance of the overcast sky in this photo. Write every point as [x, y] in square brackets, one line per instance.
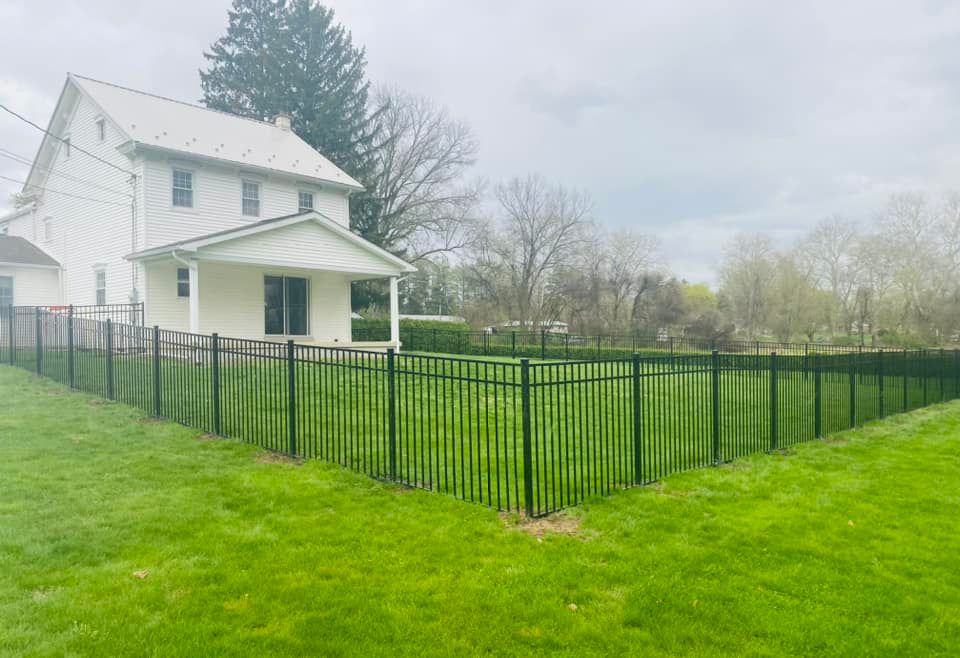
[691, 120]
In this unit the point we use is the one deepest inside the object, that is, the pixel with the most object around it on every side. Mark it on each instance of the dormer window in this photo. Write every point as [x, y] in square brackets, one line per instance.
[101, 129]
[182, 188]
[251, 198]
[305, 201]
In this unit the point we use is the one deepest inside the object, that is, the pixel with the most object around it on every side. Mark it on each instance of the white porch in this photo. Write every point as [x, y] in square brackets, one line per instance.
[282, 279]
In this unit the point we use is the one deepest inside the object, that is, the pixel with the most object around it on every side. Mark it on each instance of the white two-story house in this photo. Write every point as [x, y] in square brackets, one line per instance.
[215, 222]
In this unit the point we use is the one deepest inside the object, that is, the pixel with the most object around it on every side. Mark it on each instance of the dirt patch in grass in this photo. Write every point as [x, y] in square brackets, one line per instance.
[276, 458]
[554, 524]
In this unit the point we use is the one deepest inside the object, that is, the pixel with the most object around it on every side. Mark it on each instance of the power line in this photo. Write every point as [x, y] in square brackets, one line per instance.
[24, 161]
[70, 194]
[57, 137]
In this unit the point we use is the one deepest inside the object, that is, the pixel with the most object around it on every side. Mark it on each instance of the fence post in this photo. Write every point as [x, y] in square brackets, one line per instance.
[598, 346]
[485, 343]
[806, 360]
[637, 423]
[715, 385]
[817, 397]
[853, 389]
[940, 372]
[906, 372]
[880, 383]
[923, 373]
[156, 371]
[392, 411]
[13, 335]
[215, 381]
[109, 346]
[527, 437]
[71, 356]
[292, 397]
[566, 346]
[513, 344]
[543, 343]
[434, 340]
[773, 401]
[956, 373]
[39, 340]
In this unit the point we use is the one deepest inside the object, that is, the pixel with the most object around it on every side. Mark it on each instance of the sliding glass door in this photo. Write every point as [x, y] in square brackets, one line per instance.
[286, 306]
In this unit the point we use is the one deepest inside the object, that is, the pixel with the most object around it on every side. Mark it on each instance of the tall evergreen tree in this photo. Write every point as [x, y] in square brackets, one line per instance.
[279, 56]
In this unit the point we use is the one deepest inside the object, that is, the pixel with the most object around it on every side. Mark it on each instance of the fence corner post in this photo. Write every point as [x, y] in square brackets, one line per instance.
[715, 405]
[527, 437]
[774, 439]
[109, 350]
[215, 382]
[881, 384]
[71, 352]
[13, 335]
[292, 397]
[39, 340]
[543, 343]
[853, 388]
[817, 396]
[392, 411]
[637, 423]
[156, 371]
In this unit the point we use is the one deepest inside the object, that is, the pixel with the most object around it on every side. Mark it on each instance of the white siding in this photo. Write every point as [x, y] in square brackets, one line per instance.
[231, 300]
[23, 226]
[88, 233]
[34, 286]
[217, 200]
[306, 244]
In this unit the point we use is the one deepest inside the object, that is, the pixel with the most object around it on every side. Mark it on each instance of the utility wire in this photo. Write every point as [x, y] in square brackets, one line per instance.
[70, 194]
[24, 161]
[57, 137]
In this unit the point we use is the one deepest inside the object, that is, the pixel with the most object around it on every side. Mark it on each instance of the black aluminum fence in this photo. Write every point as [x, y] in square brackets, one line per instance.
[530, 437]
[548, 345]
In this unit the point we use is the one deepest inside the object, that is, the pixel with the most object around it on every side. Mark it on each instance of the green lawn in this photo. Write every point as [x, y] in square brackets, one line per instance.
[843, 547]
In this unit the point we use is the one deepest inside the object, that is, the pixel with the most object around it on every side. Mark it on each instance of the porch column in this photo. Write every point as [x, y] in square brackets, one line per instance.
[194, 298]
[394, 312]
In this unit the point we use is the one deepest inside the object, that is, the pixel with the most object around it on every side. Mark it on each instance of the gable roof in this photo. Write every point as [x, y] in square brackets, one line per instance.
[20, 251]
[210, 239]
[151, 121]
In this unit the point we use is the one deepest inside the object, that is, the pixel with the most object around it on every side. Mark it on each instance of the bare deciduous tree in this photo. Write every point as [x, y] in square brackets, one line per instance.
[423, 202]
[541, 225]
[745, 280]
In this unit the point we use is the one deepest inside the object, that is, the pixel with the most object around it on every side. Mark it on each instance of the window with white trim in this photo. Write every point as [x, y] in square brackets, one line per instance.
[305, 201]
[182, 188]
[101, 129]
[6, 291]
[48, 229]
[183, 282]
[251, 198]
[100, 285]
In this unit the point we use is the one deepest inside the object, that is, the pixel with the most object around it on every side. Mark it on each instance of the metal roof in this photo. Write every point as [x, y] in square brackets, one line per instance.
[158, 122]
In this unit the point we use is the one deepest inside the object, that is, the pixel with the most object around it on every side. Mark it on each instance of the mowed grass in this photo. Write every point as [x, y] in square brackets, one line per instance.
[124, 536]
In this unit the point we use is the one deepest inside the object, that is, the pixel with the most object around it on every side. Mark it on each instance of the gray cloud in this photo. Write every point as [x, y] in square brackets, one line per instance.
[695, 120]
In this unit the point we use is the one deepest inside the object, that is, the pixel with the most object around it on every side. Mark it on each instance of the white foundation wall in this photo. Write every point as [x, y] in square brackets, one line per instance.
[231, 301]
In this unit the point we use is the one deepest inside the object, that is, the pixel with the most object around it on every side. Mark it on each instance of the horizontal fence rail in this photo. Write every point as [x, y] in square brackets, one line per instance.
[528, 437]
[548, 345]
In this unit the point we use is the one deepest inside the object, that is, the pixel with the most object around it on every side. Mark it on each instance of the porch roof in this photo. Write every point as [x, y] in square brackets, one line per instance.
[307, 240]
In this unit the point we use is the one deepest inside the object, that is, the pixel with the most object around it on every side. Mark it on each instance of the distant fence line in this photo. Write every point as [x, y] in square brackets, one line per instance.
[528, 437]
[549, 345]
